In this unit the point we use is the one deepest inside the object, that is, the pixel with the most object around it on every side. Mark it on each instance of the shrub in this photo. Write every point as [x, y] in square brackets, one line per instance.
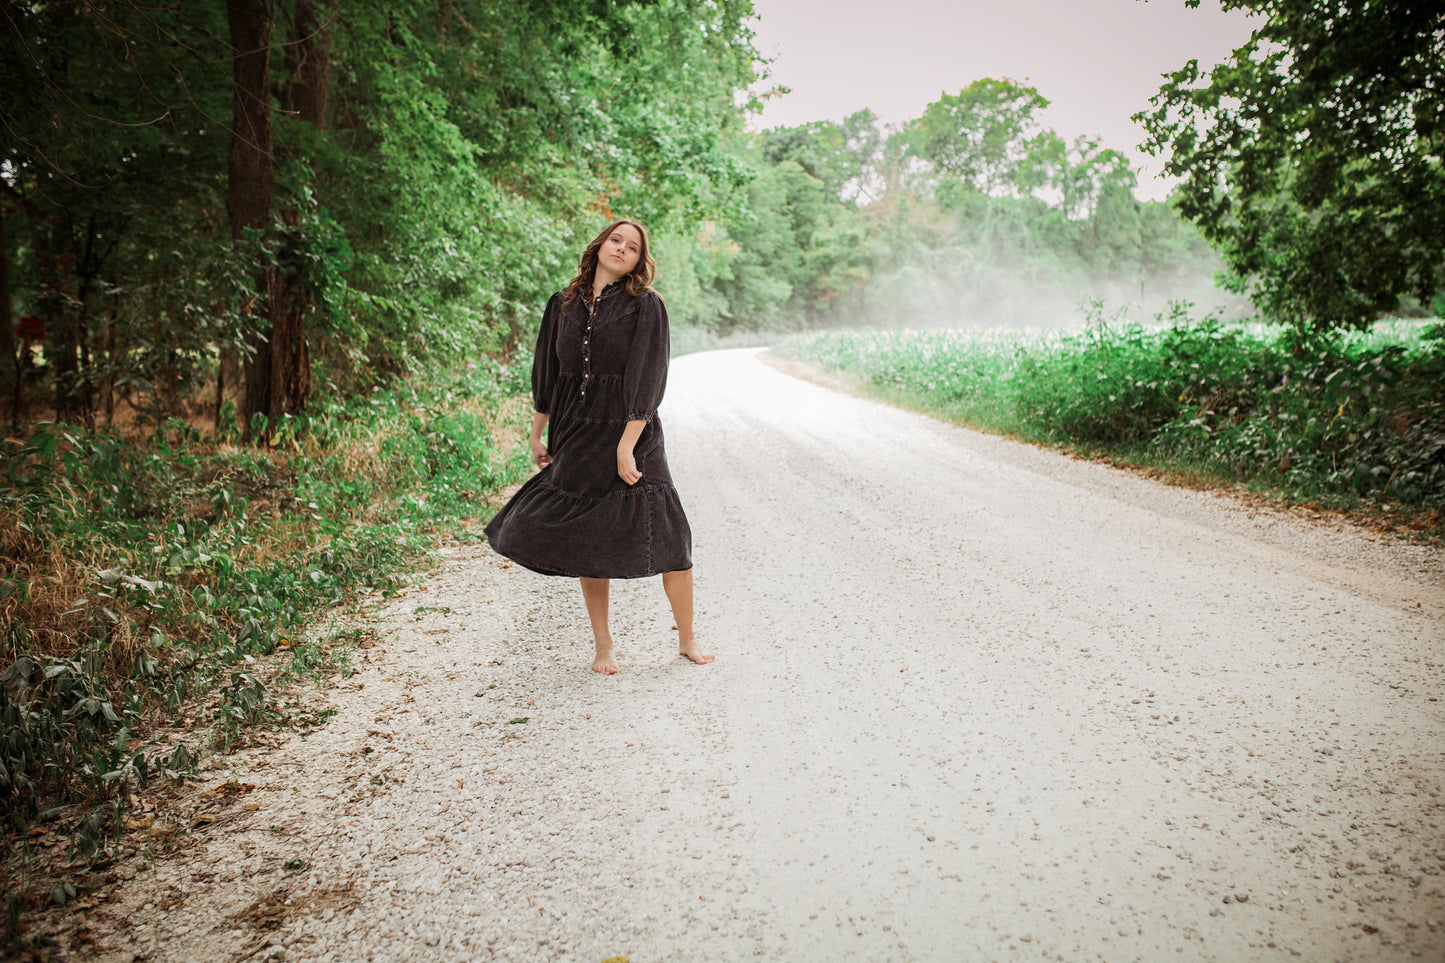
[139, 576]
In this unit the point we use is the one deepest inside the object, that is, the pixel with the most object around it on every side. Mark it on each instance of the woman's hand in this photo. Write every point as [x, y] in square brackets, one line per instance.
[626, 462]
[627, 466]
[540, 458]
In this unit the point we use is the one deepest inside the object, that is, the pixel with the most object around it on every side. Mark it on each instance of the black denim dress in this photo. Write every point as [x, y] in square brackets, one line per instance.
[594, 371]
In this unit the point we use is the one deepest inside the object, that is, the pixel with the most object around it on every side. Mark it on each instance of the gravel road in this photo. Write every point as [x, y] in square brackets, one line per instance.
[973, 700]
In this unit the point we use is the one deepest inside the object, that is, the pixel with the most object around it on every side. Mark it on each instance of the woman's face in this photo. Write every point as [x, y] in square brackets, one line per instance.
[620, 252]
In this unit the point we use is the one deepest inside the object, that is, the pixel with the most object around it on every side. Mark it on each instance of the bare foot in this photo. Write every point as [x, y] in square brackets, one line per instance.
[693, 651]
[605, 663]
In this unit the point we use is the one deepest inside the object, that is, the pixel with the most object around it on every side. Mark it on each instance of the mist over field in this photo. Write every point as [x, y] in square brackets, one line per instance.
[973, 214]
[994, 295]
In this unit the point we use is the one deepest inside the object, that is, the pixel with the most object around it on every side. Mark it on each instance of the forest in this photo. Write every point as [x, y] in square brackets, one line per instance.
[272, 271]
[377, 194]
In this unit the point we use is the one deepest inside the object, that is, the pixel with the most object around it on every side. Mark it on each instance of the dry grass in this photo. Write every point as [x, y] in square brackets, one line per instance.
[58, 604]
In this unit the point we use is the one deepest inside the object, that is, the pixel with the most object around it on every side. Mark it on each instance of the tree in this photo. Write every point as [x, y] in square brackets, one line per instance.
[1314, 158]
[302, 98]
[819, 148]
[334, 187]
[982, 135]
[107, 170]
[251, 180]
[1081, 173]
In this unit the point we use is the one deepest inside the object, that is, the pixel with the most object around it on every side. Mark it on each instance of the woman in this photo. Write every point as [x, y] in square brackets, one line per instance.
[603, 505]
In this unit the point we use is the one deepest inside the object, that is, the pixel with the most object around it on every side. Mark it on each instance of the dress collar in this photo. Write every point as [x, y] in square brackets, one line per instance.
[609, 289]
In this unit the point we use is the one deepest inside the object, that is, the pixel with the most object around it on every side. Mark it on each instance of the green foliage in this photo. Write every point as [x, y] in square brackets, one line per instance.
[1338, 420]
[840, 156]
[466, 151]
[1314, 159]
[972, 212]
[985, 135]
[192, 559]
[794, 238]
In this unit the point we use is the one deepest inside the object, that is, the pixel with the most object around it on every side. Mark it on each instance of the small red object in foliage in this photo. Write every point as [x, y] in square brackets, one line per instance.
[30, 329]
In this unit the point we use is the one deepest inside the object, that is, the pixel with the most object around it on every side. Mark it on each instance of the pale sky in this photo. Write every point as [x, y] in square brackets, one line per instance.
[1097, 61]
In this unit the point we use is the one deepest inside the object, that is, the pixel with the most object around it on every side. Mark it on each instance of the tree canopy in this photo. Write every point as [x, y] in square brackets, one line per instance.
[332, 185]
[218, 211]
[986, 135]
[974, 212]
[1314, 158]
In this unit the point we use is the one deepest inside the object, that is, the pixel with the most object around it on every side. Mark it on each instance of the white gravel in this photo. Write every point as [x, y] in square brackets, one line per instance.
[973, 700]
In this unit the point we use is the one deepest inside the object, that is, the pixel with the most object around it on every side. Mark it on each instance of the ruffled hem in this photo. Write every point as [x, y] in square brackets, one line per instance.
[542, 570]
[636, 533]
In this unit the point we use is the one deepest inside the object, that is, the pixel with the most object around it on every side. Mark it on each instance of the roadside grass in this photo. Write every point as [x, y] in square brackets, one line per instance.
[1355, 421]
[173, 582]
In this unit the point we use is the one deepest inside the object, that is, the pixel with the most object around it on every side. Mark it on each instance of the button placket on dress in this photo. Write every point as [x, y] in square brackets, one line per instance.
[587, 339]
[587, 350]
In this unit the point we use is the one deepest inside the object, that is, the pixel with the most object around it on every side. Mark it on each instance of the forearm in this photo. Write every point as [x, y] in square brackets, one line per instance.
[630, 434]
[539, 421]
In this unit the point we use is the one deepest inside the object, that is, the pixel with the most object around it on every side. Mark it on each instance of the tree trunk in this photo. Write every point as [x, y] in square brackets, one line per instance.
[290, 355]
[9, 357]
[220, 389]
[111, 358]
[85, 272]
[62, 339]
[308, 61]
[87, 374]
[251, 179]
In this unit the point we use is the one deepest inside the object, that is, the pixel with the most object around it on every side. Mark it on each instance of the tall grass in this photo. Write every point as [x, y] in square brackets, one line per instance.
[1343, 420]
[141, 579]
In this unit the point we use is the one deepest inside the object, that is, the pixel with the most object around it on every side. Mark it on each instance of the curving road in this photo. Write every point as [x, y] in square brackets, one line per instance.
[973, 701]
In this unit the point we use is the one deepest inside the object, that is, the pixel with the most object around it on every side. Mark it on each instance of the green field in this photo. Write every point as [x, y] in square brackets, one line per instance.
[1356, 420]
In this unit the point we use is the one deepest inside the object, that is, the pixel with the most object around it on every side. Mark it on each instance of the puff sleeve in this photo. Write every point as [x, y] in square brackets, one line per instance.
[645, 376]
[544, 360]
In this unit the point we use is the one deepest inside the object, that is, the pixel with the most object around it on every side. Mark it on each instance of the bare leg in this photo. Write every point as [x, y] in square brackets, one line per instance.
[595, 593]
[678, 586]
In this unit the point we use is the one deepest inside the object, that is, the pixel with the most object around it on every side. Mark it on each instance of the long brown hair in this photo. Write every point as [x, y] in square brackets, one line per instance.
[638, 281]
